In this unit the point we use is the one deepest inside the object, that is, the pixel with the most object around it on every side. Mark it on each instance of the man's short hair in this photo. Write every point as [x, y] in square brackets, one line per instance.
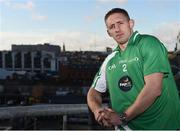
[117, 10]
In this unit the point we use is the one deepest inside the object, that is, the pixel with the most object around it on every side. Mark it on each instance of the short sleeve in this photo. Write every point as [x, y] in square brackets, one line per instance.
[154, 56]
[99, 82]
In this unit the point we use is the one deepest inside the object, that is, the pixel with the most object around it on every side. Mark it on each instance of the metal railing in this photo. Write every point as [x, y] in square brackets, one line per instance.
[44, 110]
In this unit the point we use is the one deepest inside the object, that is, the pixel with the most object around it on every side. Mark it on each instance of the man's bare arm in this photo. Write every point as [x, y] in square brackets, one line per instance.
[102, 115]
[94, 100]
[152, 89]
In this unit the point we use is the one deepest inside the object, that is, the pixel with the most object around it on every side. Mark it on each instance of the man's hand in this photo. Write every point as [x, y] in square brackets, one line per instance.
[99, 115]
[114, 118]
[107, 117]
[102, 117]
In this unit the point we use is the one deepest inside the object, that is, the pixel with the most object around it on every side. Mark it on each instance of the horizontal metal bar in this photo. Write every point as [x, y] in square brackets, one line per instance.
[42, 110]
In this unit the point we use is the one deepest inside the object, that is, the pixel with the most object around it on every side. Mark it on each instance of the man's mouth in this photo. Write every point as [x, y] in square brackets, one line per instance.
[119, 35]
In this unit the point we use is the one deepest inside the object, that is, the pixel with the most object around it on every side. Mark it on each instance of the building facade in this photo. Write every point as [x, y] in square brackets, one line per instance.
[30, 58]
[178, 41]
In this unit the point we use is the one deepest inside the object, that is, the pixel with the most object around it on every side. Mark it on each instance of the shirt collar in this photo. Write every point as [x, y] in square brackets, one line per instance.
[131, 40]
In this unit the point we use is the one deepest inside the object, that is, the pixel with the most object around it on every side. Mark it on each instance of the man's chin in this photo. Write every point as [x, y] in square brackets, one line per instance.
[121, 42]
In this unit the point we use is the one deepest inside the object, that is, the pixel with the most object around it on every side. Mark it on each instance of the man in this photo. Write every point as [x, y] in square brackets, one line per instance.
[138, 77]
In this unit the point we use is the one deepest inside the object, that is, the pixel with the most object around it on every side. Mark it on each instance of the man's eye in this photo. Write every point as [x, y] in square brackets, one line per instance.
[111, 27]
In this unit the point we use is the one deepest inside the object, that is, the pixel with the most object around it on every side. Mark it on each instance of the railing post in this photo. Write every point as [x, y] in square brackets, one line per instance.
[35, 123]
[64, 122]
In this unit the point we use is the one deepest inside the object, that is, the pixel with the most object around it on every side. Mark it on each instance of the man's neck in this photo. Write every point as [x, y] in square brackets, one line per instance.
[123, 46]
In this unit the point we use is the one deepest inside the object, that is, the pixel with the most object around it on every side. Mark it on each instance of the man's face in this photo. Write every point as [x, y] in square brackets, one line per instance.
[119, 27]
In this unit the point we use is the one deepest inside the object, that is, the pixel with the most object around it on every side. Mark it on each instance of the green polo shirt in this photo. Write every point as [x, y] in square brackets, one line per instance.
[122, 73]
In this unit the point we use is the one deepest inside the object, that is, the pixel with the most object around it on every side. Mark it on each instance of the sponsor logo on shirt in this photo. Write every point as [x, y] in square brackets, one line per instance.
[125, 83]
[128, 61]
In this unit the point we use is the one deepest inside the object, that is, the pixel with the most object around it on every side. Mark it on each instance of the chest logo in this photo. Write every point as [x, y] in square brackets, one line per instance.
[125, 83]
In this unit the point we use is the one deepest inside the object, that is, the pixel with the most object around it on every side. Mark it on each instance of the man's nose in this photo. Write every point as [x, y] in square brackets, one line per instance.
[117, 28]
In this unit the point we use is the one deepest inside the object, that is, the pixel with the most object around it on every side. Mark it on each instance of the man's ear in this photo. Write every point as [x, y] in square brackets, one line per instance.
[131, 23]
[108, 33]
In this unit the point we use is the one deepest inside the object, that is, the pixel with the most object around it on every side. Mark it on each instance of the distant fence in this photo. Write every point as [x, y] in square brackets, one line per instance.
[44, 110]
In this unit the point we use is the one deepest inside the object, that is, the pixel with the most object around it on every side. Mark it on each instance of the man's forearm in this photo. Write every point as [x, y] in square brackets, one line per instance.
[94, 100]
[147, 96]
[143, 101]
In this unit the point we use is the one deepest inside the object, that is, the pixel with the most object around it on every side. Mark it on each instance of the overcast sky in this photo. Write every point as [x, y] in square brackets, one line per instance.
[79, 23]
